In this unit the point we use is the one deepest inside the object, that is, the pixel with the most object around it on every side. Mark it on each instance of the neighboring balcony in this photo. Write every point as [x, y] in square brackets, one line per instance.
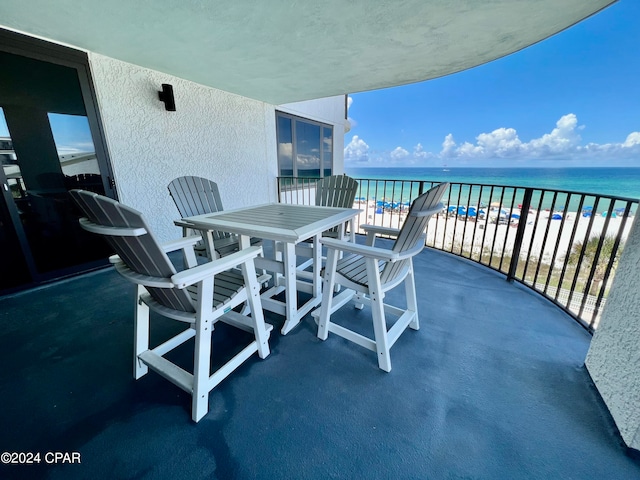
[492, 386]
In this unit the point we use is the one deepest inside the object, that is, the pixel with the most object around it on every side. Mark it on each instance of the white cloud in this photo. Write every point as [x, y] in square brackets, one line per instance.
[560, 144]
[448, 147]
[632, 140]
[562, 139]
[399, 153]
[418, 152]
[285, 150]
[356, 151]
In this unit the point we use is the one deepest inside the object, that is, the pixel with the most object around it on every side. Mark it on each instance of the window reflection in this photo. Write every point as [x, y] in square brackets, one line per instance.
[327, 151]
[78, 161]
[285, 146]
[309, 143]
[9, 161]
[307, 149]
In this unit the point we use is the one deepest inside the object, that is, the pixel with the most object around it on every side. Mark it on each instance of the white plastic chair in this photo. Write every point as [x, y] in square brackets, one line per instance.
[367, 272]
[197, 196]
[198, 296]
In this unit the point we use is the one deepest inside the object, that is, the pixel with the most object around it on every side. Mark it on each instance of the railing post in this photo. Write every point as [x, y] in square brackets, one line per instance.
[421, 188]
[522, 225]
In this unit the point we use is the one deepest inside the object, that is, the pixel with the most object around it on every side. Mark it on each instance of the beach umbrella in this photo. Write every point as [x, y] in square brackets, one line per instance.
[462, 211]
[515, 216]
[556, 216]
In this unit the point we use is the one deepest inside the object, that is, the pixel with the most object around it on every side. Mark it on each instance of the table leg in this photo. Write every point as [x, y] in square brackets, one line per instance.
[291, 290]
[317, 266]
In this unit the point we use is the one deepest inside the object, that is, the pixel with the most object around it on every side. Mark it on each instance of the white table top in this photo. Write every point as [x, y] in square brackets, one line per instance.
[275, 221]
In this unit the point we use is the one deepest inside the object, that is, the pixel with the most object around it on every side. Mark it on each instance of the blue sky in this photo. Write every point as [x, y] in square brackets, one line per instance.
[570, 100]
[71, 133]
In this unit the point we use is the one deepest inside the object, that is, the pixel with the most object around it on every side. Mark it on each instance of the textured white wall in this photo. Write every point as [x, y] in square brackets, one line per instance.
[614, 355]
[213, 134]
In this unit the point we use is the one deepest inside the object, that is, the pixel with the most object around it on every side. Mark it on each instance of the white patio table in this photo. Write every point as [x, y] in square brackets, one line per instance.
[289, 224]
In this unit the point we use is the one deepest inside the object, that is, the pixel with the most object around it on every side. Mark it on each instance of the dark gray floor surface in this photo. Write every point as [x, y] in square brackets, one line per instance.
[492, 387]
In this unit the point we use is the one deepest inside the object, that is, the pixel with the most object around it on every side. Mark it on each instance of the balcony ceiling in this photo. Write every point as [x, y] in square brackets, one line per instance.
[284, 51]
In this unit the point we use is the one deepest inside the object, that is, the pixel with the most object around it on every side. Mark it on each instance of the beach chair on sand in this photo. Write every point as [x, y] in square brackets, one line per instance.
[367, 272]
[198, 296]
[197, 196]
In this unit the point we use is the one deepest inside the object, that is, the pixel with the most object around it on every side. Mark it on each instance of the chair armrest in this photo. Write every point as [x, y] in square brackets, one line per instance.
[180, 243]
[197, 274]
[364, 250]
[183, 224]
[393, 232]
[140, 279]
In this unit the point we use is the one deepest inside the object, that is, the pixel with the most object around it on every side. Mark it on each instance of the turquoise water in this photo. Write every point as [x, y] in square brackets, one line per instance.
[616, 182]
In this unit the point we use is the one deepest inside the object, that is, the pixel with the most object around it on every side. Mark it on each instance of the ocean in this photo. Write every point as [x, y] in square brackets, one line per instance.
[617, 182]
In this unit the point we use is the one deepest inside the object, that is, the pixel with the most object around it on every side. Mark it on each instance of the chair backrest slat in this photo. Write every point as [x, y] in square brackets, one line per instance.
[336, 191]
[412, 229]
[142, 253]
[196, 196]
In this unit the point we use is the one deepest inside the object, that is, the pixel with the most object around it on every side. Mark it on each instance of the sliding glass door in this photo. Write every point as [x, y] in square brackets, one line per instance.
[48, 146]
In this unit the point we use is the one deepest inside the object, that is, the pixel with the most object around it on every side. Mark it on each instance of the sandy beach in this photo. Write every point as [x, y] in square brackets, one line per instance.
[545, 237]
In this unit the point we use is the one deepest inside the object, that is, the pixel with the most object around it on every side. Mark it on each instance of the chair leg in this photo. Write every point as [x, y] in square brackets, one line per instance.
[412, 303]
[202, 352]
[255, 306]
[379, 320]
[324, 318]
[141, 334]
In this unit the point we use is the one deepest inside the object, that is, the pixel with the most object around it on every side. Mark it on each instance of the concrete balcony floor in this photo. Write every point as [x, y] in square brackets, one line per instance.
[492, 386]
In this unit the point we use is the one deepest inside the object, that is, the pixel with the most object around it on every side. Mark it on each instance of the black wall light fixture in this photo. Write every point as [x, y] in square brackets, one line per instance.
[166, 96]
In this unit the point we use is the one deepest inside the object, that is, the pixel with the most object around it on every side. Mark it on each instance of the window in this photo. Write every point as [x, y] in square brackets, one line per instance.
[305, 147]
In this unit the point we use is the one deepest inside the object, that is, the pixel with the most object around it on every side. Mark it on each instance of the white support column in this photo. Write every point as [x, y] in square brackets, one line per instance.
[614, 355]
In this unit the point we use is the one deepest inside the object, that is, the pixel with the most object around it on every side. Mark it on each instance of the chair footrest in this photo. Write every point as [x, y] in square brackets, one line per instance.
[242, 322]
[168, 370]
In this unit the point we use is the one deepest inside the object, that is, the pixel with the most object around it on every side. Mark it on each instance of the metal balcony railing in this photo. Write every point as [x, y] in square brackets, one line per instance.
[564, 245]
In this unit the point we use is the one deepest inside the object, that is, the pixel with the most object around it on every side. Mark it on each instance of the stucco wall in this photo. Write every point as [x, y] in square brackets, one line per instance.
[614, 355]
[213, 134]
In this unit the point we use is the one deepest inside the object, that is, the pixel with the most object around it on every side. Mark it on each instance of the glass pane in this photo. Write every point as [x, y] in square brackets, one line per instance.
[285, 146]
[327, 151]
[14, 267]
[72, 137]
[307, 149]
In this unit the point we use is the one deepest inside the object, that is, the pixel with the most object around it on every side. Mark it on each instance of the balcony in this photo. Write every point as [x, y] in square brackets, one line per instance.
[492, 386]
